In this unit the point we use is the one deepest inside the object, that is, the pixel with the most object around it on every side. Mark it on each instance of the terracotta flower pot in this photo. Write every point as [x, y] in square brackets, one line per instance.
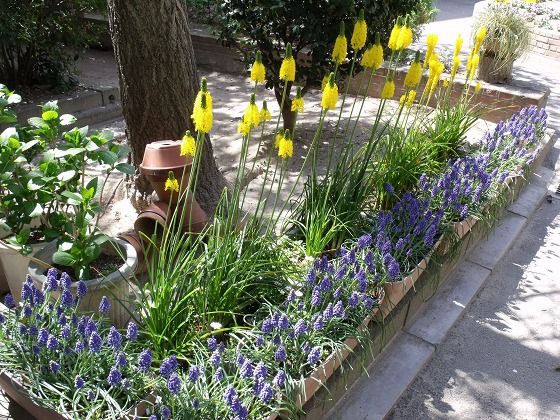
[160, 157]
[114, 285]
[156, 217]
[15, 391]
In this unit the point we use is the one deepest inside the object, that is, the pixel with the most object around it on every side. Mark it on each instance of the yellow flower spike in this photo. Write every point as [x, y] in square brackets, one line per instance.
[288, 67]
[277, 140]
[446, 82]
[265, 113]
[388, 89]
[405, 37]
[477, 88]
[359, 35]
[402, 100]
[188, 145]
[410, 98]
[456, 63]
[202, 110]
[340, 46]
[286, 146]
[394, 34]
[297, 102]
[373, 55]
[171, 183]
[480, 35]
[252, 115]
[244, 127]
[330, 94]
[433, 85]
[258, 71]
[473, 65]
[414, 74]
[458, 45]
[431, 42]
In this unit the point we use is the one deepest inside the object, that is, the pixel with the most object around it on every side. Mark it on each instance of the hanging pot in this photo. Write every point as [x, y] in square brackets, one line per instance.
[163, 156]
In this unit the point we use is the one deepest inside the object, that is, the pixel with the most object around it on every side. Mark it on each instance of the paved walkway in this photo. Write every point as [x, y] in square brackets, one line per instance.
[502, 359]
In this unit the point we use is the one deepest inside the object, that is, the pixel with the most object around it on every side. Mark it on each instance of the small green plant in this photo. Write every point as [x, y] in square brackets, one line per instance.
[47, 194]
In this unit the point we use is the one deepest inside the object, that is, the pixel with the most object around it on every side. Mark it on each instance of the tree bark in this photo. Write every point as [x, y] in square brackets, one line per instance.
[159, 81]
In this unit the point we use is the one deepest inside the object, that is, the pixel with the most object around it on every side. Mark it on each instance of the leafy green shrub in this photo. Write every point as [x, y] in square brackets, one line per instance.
[37, 37]
[311, 26]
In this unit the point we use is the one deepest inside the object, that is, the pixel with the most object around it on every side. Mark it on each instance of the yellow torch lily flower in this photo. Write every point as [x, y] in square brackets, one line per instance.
[414, 74]
[188, 145]
[202, 111]
[359, 35]
[373, 55]
[388, 90]
[431, 42]
[340, 46]
[297, 102]
[330, 94]
[394, 34]
[288, 66]
[405, 37]
[171, 183]
[286, 146]
[265, 113]
[458, 45]
[477, 88]
[252, 114]
[258, 71]
[244, 127]
[410, 98]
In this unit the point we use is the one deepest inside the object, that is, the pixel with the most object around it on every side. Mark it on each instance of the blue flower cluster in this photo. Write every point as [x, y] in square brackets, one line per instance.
[59, 343]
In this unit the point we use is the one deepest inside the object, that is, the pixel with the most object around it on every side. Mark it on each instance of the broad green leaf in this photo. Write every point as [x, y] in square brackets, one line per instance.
[22, 236]
[125, 168]
[63, 258]
[14, 98]
[37, 122]
[73, 198]
[65, 246]
[28, 145]
[37, 211]
[7, 134]
[50, 106]
[67, 119]
[107, 157]
[49, 115]
[66, 175]
[73, 151]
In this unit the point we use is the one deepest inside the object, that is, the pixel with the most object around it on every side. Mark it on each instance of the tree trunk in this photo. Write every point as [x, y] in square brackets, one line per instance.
[159, 81]
[288, 116]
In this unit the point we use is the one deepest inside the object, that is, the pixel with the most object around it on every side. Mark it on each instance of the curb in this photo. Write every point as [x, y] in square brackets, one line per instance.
[389, 376]
[89, 106]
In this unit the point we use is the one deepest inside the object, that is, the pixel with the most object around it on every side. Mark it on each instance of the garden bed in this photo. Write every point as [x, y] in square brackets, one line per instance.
[438, 270]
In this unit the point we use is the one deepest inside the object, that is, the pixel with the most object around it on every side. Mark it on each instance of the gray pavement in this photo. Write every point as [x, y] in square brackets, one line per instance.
[502, 359]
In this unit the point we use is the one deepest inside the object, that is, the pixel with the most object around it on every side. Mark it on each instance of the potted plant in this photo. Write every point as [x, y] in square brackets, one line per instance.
[59, 365]
[507, 38]
[22, 206]
[76, 243]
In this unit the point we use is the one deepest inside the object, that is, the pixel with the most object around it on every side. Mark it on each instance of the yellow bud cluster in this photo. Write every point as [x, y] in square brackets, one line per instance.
[414, 75]
[258, 72]
[252, 115]
[405, 38]
[286, 146]
[359, 35]
[431, 42]
[202, 112]
[330, 94]
[373, 57]
[288, 69]
[188, 145]
[171, 183]
[244, 127]
[265, 113]
[395, 33]
[340, 49]
[297, 104]
[388, 90]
